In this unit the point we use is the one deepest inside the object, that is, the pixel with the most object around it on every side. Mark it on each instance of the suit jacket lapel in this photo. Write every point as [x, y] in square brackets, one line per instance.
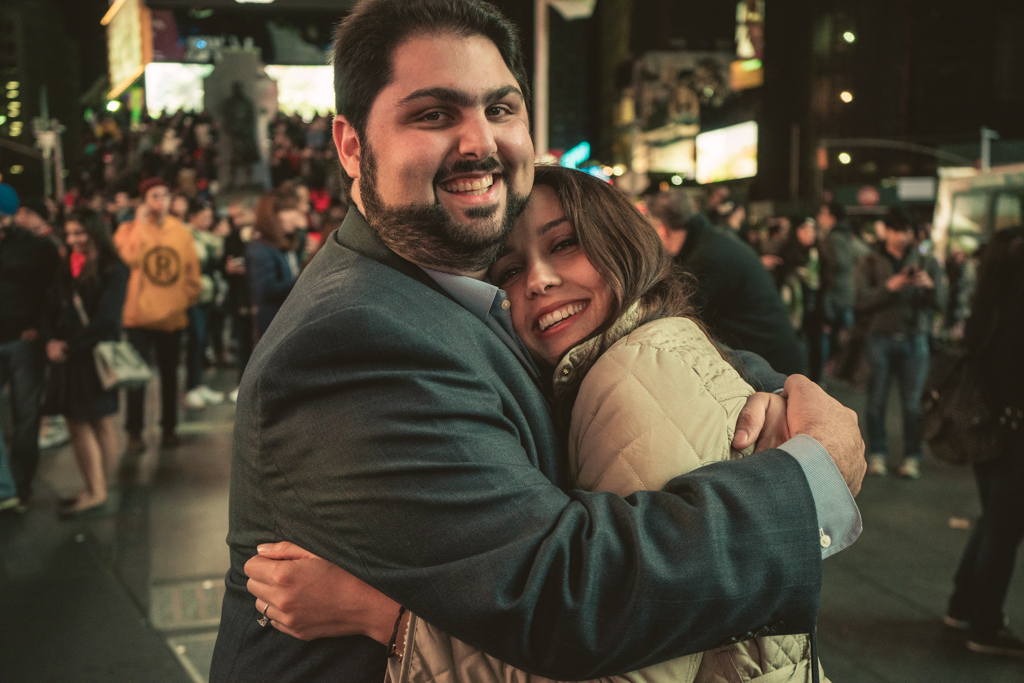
[356, 234]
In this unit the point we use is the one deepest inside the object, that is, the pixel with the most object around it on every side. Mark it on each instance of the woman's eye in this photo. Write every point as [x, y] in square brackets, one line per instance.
[567, 243]
[506, 274]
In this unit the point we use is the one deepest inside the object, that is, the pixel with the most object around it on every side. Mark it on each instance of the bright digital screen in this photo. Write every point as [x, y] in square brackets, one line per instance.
[172, 87]
[675, 156]
[727, 153]
[303, 90]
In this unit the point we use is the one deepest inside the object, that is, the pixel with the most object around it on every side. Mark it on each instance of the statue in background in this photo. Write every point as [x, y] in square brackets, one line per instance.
[238, 121]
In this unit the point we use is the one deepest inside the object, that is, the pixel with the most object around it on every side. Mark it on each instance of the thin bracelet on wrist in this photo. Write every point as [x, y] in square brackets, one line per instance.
[393, 643]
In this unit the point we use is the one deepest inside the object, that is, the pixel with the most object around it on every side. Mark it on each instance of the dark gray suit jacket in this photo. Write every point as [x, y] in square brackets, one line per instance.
[385, 428]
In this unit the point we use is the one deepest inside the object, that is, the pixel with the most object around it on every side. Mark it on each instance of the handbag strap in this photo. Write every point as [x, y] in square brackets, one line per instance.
[76, 300]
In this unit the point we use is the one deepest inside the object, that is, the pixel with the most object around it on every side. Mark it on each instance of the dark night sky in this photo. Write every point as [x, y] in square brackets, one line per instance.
[82, 19]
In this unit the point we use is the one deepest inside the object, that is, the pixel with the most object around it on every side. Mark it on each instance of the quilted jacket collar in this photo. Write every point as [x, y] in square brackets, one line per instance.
[581, 357]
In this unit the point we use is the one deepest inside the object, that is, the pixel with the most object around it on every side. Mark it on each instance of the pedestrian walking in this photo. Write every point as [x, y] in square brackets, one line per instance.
[802, 278]
[27, 267]
[271, 261]
[210, 251]
[995, 337]
[88, 302]
[164, 282]
[899, 290]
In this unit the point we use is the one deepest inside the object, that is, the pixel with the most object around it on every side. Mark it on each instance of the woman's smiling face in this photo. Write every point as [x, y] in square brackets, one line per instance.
[558, 298]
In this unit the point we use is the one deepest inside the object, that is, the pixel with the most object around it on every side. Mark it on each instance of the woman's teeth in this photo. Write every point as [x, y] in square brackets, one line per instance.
[558, 316]
[478, 186]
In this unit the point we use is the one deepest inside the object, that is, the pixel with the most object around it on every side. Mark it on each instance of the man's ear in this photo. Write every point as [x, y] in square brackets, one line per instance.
[349, 149]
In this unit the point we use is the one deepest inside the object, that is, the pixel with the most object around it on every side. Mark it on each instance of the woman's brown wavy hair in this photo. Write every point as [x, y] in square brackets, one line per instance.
[624, 248]
[268, 225]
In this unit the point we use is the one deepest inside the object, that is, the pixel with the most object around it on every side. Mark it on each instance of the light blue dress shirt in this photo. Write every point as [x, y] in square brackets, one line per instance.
[839, 520]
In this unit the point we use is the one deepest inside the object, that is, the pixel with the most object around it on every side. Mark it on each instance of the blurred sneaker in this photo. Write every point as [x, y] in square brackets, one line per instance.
[877, 466]
[212, 398]
[194, 399]
[233, 395]
[53, 432]
[910, 469]
[959, 624]
[1003, 643]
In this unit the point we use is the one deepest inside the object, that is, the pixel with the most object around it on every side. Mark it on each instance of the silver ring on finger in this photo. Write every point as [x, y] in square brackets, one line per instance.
[264, 620]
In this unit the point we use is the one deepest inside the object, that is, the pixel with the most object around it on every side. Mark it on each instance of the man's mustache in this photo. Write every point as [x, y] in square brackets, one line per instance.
[462, 166]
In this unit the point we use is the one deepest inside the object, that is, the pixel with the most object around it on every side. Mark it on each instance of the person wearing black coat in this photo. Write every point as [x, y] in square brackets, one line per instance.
[995, 337]
[734, 294]
[88, 299]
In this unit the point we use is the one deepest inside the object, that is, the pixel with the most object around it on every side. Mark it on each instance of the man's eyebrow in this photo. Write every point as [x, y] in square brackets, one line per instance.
[459, 98]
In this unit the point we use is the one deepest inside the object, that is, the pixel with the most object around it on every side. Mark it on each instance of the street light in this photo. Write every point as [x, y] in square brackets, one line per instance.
[113, 105]
[844, 158]
[677, 180]
[849, 37]
[846, 96]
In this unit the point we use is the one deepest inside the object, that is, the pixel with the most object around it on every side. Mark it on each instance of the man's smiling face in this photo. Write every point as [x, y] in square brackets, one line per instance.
[446, 161]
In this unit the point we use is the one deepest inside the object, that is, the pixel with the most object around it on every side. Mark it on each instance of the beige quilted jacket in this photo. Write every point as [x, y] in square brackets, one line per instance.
[658, 403]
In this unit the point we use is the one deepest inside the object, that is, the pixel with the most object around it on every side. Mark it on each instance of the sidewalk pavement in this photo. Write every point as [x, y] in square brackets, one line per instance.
[135, 597]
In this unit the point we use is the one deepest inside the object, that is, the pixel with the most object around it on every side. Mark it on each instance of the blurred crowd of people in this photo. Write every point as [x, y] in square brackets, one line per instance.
[185, 149]
[818, 294]
[188, 282]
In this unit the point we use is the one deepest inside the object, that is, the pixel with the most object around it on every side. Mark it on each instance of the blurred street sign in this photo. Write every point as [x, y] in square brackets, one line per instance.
[868, 196]
[915, 189]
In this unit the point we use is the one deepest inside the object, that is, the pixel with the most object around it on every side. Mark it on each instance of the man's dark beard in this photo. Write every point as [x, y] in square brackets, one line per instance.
[429, 235]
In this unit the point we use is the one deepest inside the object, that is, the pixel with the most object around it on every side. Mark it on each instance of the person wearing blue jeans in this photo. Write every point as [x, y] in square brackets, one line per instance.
[210, 251]
[23, 365]
[27, 267]
[898, 290]
[905, 357]
[8, 491]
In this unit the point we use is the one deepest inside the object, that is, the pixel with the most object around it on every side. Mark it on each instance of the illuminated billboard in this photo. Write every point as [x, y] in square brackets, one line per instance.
[129, 43]
[304, 90]
[727, 153]
[172, 87]
[672, 157]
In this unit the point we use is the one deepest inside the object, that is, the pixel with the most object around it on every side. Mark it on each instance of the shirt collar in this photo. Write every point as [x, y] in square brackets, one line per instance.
[476, 296]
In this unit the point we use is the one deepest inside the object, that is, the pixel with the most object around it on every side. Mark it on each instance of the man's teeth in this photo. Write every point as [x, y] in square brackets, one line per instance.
[558, 316]
[478, 186]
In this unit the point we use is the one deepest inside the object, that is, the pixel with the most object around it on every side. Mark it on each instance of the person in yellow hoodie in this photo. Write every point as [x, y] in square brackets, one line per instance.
[164, 282]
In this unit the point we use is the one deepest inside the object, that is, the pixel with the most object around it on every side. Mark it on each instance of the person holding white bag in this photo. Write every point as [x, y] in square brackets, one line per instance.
[88, 300]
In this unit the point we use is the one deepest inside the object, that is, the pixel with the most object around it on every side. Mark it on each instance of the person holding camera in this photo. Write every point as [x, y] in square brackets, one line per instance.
[899, 290]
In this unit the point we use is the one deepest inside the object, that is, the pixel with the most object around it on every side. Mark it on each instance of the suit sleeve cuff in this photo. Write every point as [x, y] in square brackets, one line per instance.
[839, 522]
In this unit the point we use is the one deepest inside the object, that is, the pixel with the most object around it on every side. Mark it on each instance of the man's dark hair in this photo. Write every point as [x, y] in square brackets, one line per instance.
[196, 206]
[365, 41]
[899, 218]
[674, 209]
[837, 210]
